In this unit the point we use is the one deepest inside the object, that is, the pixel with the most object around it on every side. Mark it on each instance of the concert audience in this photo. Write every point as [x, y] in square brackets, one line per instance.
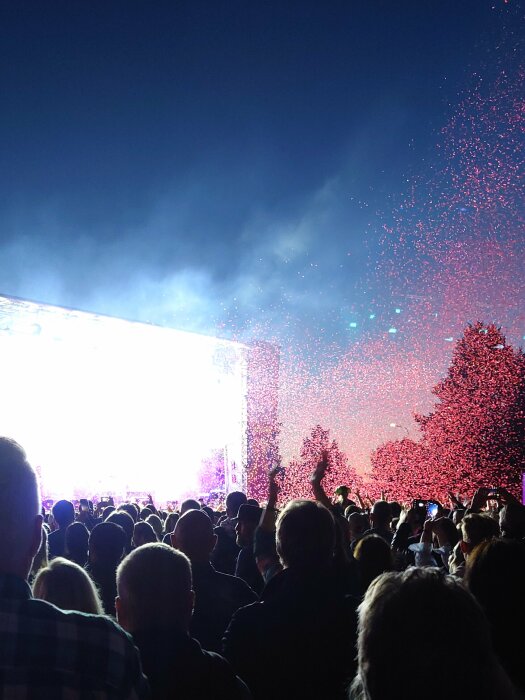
[155, 602]
[311, 566]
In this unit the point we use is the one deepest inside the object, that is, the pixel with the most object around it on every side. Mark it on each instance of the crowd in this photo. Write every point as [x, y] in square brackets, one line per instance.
[322, 598]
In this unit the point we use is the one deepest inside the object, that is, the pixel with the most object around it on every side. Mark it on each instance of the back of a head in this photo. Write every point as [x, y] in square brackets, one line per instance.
[409, 615]
[512, 521]
[305, 535]
[159, 600]
[381, 514]
[19, 504]
[194, 535]
[189, 504]
[64, 513]
[477, 527]
[374, 557]
[106, 544]
[495, 575]
[68, 586]
[234, 501]
[124, 519]
[131, 509]
[143, 533]
[77, 538]
[156, 524]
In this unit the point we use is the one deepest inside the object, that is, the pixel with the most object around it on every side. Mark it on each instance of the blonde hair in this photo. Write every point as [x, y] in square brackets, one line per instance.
[68, 586]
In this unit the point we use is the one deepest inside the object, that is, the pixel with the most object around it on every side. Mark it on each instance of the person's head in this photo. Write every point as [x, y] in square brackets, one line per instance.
[253, 502]
[380, 515]
[409, 615]
[20, 517]
[145, 513]
[395, 509]
[495, 575]
[358, 524]
[374, 557]
[77, 539]
[194, 536]
[124, 519]
[106, 544]
[189, 504]
[234, 501]
[68, 586]
[475, 528]
[512, 521]
[106, 512]
[143, 533]
[156, 524]
[170, 522]
[64, 513]
[305, 535]
[131, 509]
[209, 512]
[163, 601]
[248, 519]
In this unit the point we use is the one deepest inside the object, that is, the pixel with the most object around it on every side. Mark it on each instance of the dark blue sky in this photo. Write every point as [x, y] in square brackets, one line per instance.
[194, 163]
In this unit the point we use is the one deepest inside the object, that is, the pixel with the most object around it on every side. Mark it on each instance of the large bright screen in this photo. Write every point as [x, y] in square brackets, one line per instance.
[107, 406]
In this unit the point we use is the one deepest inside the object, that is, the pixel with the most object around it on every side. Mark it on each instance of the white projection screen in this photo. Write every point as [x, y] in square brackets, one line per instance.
[105, 406]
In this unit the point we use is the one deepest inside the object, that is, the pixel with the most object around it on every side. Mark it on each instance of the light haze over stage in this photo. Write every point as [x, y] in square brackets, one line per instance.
[108, 406]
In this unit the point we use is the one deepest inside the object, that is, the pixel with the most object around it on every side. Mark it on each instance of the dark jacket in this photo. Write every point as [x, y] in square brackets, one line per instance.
[177, 667]
[217, 597]
[298, 642]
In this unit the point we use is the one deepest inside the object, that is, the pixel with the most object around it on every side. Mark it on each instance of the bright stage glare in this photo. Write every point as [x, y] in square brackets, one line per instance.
[104, 405]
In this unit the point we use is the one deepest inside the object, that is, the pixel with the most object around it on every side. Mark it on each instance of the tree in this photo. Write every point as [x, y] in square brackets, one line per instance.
[400, 470]
[476, 434]
[296, 482]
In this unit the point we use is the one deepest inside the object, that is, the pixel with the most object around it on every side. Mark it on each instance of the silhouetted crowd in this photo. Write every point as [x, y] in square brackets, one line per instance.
[328, 598]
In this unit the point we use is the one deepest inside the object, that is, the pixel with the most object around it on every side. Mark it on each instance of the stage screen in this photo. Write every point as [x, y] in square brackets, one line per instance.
[104, 406]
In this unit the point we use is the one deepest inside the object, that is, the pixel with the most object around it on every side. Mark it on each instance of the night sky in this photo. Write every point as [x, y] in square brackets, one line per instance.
[298, 171]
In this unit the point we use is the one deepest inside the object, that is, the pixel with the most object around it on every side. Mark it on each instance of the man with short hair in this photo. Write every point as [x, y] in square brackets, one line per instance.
[45, 652]
[246, 568]
[64, 514]
[155, 603]
[217, 595]
[380, 517]
[224, 556]
[299, 641]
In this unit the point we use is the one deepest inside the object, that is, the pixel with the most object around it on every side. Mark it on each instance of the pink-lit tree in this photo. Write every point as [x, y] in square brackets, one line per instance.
[476, 434]
[296, 482]
[400, 470]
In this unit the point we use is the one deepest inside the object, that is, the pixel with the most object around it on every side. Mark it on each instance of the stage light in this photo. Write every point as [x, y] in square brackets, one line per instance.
[105, 405]
[392, 330]
[353, 324]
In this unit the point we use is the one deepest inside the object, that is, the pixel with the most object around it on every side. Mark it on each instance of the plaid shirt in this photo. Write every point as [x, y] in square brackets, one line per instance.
[47, 653]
